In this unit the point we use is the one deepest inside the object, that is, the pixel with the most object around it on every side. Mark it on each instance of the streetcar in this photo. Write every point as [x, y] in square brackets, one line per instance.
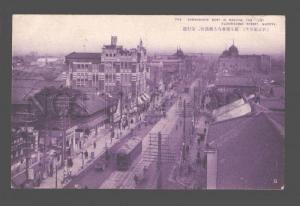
[128, 153]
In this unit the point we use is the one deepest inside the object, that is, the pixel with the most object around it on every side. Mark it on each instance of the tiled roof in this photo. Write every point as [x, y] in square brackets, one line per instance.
[92, 103]
[250, 153]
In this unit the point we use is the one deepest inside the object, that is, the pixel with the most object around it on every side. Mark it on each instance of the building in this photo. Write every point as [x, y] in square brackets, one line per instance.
[230, 84]
[24, 142]
[89, 112]
[113, 71]
[168, 68]
[232, 63]
[85, 70]
[246, 152]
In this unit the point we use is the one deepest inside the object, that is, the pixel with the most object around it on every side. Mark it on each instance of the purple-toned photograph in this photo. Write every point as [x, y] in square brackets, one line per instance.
[155, 102]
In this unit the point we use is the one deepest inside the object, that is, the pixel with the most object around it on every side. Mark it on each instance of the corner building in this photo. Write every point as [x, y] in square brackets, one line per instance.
[113, 71]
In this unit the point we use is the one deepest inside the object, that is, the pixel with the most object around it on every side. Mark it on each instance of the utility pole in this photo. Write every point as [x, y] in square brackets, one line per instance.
[159, 181]
[64, 142]
[56, 176]
[47, 130]
[62, 107]
[194, 109]
[184, 139]
[25, 135]
[121, 105]
[82, 160]
[27, 151]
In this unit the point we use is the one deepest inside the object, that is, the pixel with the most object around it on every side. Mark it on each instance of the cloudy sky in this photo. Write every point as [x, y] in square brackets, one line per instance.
[52, 34]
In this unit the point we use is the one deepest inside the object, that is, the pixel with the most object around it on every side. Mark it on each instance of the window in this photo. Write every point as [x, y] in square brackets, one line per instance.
[101, 68]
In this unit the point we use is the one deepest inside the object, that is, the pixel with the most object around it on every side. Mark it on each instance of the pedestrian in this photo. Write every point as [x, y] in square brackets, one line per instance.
[95, 145]
[86, 154]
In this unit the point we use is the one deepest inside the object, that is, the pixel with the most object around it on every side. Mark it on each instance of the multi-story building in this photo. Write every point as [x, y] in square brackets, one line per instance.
[24, 142]
[85, 70]
[168, 68]
[232, 63]
[114, 70]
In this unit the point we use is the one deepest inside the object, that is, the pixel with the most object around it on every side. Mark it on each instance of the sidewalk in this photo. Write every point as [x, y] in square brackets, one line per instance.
[81, 163]
[196, 177]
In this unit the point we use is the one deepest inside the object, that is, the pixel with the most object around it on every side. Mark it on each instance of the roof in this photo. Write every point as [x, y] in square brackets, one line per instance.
[84, 55]
[24, 88]
[250, 153]
[234, 81]
[130, 145]
[92, 103]
[274, 104]
[228, 107]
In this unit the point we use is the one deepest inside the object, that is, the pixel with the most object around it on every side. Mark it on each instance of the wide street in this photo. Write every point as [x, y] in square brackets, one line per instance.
[171, 129]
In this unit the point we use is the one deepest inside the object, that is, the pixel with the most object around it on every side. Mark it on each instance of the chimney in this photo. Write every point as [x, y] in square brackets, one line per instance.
[114, 40]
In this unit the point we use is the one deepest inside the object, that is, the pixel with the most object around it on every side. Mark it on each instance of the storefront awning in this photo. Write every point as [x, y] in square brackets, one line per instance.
[144, 98]
[147, 96]
[140, 100]
[90, 123]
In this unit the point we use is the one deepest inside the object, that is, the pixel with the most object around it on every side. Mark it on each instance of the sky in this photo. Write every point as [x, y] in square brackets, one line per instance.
[62, 34]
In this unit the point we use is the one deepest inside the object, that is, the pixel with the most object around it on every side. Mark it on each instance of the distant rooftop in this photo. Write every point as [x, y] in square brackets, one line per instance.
[84, 55]
[234, 81]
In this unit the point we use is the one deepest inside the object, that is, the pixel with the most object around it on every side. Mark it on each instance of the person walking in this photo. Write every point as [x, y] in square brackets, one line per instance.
[95, 145]
[86, 154]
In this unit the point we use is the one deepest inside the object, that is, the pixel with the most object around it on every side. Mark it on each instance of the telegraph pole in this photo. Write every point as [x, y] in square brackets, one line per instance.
[121, 106]
[159, 181]
[194, 108]
[62, 107]
[27, 151]
[28, 117]
[55, 176]
[47, 129]
[184, 120]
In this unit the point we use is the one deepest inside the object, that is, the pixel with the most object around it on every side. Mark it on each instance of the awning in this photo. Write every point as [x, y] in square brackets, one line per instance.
[144, 98]
[140, 100]
[94, 121]
[147, 96]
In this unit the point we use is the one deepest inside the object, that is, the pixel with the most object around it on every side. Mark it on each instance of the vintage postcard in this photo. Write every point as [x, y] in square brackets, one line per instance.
[158, 102]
